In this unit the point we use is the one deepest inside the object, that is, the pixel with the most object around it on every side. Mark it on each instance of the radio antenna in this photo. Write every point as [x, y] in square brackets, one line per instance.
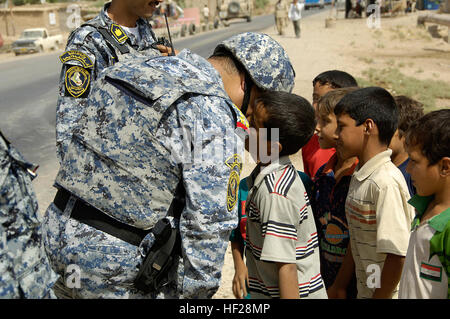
[170, 37]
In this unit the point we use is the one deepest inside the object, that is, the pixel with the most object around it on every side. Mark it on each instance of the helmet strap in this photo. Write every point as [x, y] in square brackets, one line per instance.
[247, 92]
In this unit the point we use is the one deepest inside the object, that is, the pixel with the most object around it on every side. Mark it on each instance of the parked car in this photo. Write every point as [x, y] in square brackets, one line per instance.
[36, 40]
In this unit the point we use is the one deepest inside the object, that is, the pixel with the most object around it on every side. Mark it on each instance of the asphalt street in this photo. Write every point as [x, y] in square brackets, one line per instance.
[29, 90]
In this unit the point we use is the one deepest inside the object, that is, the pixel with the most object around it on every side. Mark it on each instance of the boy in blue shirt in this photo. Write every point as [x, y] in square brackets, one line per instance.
[409, 110]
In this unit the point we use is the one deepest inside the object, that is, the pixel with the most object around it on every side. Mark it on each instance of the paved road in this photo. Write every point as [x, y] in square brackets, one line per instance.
[29, 89]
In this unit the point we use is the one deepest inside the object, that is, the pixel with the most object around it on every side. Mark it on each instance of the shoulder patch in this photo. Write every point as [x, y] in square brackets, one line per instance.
[77, 81]
[235, 164]
[242, 121]
[77, 56]
[118, 33]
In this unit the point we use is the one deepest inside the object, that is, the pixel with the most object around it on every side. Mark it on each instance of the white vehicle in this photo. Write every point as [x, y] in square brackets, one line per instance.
[36, 40]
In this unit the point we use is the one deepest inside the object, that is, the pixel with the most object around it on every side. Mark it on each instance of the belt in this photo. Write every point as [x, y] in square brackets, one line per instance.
[93, 217]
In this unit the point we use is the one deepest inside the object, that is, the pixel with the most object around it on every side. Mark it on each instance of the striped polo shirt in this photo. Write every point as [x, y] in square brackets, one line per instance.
[281, 228]
[379, 219]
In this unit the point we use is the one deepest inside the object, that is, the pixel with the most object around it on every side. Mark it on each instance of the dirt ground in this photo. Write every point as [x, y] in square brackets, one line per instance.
[352, 47]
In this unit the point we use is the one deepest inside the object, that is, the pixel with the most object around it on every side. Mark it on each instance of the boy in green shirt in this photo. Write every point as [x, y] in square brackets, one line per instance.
[427, 264]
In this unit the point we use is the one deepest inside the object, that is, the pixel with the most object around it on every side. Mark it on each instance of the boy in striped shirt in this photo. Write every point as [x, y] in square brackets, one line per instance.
[282, 248]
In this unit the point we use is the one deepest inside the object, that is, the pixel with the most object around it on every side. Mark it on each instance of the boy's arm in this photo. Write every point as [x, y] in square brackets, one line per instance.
[338, 290]
[288, 281]
[240, 270]
[390, 276]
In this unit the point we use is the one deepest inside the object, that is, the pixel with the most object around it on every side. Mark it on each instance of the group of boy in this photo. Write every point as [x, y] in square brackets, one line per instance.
[370, 219]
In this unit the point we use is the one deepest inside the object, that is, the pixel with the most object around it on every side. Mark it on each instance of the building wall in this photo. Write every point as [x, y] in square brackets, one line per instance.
[13, 22]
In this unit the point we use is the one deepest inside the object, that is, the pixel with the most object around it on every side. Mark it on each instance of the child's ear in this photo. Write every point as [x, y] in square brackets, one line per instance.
[444, 167]
[369, 125]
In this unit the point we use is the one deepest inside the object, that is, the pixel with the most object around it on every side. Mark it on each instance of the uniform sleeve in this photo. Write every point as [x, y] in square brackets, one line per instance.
[8, 286]
[211, 182]
[84, 58]
[278, 222]
[394, 217]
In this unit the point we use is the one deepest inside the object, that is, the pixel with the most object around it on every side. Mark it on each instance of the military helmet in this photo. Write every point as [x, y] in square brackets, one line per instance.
[265, 60]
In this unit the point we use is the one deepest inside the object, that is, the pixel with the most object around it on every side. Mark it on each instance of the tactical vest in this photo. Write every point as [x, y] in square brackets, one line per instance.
[130, 177]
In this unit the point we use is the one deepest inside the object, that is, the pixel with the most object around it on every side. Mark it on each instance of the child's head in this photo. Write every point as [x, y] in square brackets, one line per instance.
[290, 115]
[330, 80]
[409, 110]
[428, 145]
[366, 118]
[326, 120]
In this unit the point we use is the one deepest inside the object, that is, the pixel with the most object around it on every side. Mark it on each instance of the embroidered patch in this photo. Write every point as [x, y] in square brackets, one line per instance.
[77, 56]
[430, 272]
[235, 164]
[242, 122]
[77, 80]
[118, 33]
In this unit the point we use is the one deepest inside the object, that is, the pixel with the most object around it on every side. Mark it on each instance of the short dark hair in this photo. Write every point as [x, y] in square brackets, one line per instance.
[336, 79]
[371, 103]
[293, 115]
[409, 110]
[431, 133]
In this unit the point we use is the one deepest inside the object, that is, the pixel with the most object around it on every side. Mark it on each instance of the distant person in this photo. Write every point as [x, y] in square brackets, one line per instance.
[377, 210]
[282, 248]
[330, 188]
[409, 111]
[206, 13]
[426, 271]
[295, 15]
[281, 16]
[313, 156]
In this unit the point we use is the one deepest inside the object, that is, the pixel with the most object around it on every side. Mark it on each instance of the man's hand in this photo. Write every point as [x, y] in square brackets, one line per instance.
[166, 51]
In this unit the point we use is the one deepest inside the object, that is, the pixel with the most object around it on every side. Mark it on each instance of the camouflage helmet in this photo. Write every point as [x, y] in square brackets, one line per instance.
[265, 60]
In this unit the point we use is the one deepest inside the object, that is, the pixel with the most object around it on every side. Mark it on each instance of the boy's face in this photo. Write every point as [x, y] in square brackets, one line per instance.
[326, 130]
[350, 138]
[261, 149]
[320, 90]
[425, 177]
[397, 144]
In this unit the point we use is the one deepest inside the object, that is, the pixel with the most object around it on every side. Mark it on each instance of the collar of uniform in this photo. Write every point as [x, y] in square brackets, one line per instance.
[203, 64]
[420, 203]
[272, 167]
[140, 23]
[361, 173]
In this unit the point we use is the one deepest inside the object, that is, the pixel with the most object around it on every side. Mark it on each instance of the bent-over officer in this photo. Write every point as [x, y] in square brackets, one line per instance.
[25, 271]
[152, 127]
[119, 30]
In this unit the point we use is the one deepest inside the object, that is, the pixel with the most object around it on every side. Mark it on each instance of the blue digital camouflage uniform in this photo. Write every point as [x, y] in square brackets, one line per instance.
[87, 53]
[150, 122]
[24, 268]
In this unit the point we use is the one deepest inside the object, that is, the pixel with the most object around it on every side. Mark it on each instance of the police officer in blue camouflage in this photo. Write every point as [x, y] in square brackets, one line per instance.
[151, 125]
[119, 30]
[25, 271]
